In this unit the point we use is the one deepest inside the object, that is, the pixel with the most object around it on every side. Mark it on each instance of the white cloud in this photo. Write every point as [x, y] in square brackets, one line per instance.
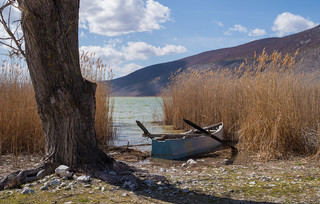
[142, 50]
[290, 23]
[83, 35]
[237, 28]
[129, 68]
[117, 57]
[114, 18]
[219, 23]
[257, 32]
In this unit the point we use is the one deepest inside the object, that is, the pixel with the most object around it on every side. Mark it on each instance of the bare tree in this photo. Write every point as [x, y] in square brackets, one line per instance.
[65, 100]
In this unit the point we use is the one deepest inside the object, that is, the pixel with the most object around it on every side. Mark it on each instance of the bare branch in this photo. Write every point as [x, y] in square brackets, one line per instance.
[12, 35]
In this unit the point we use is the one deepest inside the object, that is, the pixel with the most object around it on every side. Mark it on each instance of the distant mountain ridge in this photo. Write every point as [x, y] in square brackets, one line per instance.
[150, 80]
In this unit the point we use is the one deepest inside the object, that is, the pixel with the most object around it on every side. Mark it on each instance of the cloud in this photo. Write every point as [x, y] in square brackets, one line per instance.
[219, 23]
[114, 18]
[237, 28]
[257, 32]
[118, 57]
[128, 68]
[142, 50]
[290, 23]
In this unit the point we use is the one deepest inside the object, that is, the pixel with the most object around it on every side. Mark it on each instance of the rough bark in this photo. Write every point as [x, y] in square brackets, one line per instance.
[66, 102]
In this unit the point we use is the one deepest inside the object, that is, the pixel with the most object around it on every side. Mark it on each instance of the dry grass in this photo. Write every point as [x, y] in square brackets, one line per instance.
[94, 70]
[265, 106]
[20, 127]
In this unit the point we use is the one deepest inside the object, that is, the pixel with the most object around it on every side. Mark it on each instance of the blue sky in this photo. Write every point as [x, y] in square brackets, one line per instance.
[131, 34]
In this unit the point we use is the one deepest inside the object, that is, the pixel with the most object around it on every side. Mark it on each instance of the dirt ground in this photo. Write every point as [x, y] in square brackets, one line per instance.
[208, 178]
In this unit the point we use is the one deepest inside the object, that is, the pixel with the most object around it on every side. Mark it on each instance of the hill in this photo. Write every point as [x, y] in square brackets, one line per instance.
[150, 80]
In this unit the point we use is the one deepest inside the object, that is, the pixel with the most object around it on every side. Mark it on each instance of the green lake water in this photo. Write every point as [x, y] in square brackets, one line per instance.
[129, 109]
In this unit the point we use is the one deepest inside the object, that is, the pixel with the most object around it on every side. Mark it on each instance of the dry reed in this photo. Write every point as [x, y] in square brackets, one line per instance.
[20, 127]
[265, 106]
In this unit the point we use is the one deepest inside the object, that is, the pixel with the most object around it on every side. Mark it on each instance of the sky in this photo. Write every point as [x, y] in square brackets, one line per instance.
[131, 34]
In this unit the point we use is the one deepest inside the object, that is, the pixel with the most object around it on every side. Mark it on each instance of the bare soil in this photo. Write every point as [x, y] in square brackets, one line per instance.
[209, 180]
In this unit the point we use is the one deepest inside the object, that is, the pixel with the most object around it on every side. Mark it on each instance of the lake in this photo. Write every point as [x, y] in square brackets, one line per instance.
[129, 109]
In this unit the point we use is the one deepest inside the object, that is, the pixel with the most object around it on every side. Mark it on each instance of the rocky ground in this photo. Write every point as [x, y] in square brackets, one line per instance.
[201, 179]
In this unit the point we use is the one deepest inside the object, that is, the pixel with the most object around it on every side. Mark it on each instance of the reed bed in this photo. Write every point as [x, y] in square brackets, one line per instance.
[20, 127]
[267, 107]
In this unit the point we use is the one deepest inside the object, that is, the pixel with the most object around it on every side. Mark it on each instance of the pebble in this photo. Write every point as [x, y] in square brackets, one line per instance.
[63, 170]
[87, 186]
[55, 182]
[84, 179]
[44, 188]
[252, 183]
[103, 188]
[191, 161]
[64, 184]
[27, 191]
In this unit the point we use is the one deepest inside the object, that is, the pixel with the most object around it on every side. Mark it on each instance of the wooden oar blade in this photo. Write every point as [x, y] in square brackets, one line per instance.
[234, 150]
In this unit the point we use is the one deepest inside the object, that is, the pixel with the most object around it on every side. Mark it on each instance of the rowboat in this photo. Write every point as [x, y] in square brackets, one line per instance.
[178, 146]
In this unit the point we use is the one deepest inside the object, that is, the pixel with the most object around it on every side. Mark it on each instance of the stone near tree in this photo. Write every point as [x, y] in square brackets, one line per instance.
[63, 171]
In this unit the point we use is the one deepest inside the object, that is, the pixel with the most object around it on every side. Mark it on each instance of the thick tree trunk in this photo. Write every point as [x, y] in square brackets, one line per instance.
[66, 102]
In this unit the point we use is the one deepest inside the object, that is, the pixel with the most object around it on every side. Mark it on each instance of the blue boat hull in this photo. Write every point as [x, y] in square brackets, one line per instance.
[184, 147]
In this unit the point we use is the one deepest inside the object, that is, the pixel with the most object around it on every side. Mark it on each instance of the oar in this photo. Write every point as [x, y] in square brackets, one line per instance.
[144, 129]
[234, 149]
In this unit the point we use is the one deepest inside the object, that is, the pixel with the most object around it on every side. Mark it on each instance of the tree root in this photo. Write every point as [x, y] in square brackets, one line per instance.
[122, 174]
[16, 179]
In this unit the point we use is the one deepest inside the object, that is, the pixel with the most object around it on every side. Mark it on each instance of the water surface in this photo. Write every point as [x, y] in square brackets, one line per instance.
[129, 109]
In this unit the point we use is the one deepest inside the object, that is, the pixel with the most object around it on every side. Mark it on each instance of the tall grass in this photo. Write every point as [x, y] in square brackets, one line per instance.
[20, 127]
[94, 70]
[265, 105]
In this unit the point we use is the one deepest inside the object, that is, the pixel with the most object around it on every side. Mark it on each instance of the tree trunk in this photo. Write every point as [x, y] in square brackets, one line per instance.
[66, 101]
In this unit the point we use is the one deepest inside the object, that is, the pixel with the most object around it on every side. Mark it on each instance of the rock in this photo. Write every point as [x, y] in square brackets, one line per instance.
[87, 186]
[44, 188]
[64, 184]
[70, 186]
[40, 174]
[27, 191]
[191, 161]
[149, 182]
[124, 194]
[156, 178]
[84, 179]
[112, 173]
[55, 182]
[103, 188]
[28, 185]
[184, 165]
[63, 171]
[10, 192]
